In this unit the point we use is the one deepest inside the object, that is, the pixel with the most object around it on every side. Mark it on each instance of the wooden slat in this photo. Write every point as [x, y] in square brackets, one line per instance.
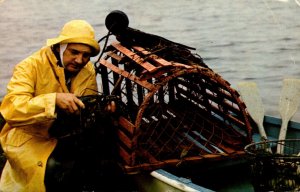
[127, 75]
[125, 156]
[215, 109]
[154, 57]
[191, 160]
[211, 97]
[115, 56]
[124, 139]
[160, 61]
[136, 58]
[127, 125]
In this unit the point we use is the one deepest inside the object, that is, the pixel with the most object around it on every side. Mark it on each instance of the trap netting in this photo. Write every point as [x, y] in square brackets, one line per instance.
[177, 112]
[272, 171]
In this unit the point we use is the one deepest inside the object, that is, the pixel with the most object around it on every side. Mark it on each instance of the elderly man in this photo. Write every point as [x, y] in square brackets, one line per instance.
[49, 80]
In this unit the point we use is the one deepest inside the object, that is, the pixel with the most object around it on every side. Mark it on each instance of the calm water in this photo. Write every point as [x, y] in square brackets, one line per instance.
[257, 40]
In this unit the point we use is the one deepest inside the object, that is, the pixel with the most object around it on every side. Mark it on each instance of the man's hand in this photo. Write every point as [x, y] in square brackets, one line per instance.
[69, 103]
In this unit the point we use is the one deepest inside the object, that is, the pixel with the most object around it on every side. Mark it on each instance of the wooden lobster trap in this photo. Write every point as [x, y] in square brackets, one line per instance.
[179, 110]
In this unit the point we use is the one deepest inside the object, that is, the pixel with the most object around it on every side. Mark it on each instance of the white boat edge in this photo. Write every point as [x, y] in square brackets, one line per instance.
[180, 183]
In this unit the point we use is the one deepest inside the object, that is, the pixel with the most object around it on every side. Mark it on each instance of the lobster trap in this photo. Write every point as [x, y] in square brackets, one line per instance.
[177, 112]
[178, 109]
[272, 171]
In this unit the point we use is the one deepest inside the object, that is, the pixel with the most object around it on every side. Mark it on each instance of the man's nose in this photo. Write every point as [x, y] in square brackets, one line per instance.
[79, 58]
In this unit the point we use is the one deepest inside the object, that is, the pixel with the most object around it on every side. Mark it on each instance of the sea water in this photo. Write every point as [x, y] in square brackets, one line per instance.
[242, 40]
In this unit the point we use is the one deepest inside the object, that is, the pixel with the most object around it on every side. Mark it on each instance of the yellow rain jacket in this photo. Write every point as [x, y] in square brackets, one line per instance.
[29, 110]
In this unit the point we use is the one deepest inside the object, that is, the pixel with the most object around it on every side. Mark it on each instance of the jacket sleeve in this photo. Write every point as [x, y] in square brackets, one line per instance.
[20, 106]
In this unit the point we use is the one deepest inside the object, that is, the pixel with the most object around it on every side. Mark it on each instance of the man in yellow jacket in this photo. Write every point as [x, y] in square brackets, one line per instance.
[50, 79]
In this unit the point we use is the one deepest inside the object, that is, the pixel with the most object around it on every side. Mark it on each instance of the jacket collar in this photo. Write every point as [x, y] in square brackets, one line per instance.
[57, 68]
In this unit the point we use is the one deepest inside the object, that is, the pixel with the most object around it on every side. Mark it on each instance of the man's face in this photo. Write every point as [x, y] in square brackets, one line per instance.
[76, 56]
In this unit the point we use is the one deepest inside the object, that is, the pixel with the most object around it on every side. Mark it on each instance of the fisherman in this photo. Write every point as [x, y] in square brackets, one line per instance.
[49, 80]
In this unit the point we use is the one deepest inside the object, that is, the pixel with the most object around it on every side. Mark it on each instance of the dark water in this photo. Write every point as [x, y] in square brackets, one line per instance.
[257, 40]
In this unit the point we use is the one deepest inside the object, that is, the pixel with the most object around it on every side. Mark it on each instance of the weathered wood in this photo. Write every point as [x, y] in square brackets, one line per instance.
[190, 160]
[160, 132]
[127, 157]
[152, 56]
[127, 75]
[146, 65]
[123, 122]
[124, 139]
